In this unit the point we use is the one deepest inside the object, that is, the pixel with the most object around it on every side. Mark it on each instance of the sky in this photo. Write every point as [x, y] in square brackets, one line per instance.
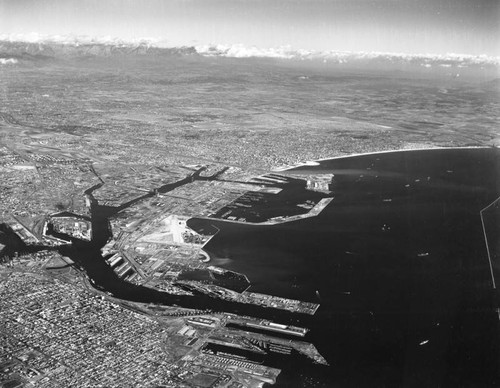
[398, 26]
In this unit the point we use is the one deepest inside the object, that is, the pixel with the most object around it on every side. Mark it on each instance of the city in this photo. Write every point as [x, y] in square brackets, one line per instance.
[152, 246]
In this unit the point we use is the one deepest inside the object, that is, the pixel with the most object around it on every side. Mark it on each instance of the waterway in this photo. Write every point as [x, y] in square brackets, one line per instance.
[397, 260]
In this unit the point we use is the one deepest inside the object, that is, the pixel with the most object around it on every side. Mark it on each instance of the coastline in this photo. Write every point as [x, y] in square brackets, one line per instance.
[316, 162]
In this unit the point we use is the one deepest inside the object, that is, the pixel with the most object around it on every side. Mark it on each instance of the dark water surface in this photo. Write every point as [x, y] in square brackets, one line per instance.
[400, 266]
[398, 261]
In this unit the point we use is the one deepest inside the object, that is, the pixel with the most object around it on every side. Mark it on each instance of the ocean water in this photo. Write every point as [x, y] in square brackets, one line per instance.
[398, 260]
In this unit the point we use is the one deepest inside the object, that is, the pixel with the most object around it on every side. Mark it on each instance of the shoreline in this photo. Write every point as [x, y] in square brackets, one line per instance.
[316, 162]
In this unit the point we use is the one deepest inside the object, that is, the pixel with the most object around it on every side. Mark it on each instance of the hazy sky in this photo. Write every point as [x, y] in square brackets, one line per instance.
[409, 26]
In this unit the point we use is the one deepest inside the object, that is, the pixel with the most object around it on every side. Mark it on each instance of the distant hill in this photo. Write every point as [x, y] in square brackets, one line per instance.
[494, 84]
[47, 50]
[40, 48]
